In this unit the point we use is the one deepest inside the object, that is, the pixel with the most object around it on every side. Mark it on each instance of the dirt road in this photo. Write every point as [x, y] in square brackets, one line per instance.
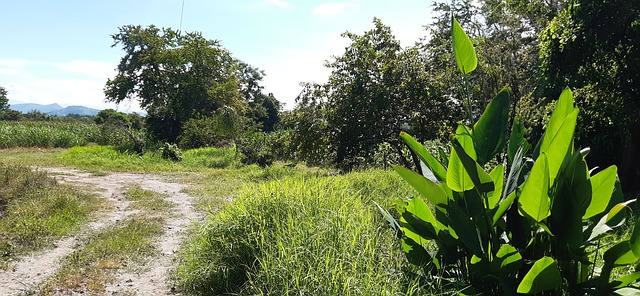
[150, 279]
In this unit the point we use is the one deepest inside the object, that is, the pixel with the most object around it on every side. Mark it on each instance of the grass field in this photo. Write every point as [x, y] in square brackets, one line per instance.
[268, 226]
[281, 230]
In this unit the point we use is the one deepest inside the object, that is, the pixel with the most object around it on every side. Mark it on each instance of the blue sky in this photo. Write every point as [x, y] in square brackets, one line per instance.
[60, 51]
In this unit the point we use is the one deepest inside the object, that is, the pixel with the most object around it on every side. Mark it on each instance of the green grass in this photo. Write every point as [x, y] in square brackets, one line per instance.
[46, 134]
[89, 268]
[100, 158]
[35, 210]
[302, 234]
[149, 201]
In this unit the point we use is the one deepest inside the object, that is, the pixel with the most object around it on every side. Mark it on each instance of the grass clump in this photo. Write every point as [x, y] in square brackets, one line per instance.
[35, 210]
[306, 235]
[147, 200]
[90, 267]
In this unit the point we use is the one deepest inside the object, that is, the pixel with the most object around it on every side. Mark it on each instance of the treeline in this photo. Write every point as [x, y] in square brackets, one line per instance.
[197, 94]
[536, 48]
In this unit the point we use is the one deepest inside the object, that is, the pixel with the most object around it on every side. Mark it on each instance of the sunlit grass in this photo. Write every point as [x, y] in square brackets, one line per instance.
[35, 210]
[304, 235]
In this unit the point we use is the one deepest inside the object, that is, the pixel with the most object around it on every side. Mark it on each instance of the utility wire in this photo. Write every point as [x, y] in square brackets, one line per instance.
[181, 15]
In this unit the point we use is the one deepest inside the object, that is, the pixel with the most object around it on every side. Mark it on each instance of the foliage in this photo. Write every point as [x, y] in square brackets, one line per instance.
[264, 110]
[539, 230]
[376, 89]
[171, 152]
[317, 237]
[308, 122]
[224, 125]
[4, 100]
[113, 123]
[598, 61]
[175, 76]
[264, 148]
[255, 148]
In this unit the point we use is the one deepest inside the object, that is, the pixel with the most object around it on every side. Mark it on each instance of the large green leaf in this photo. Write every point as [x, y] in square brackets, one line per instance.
[465, 229]
[490, 132]
[463, 49]
[627, 291]
[619, 255]
[457, 178]
[503, 206]
[392, 222]
[558, 136]
[634, 240]
[416, 254]
[417, 207]
[564, 106]
[517, 140]
[544, 275]
[431, 191]
[497, 175]
[507, 261]
[436, 167]
[602, 185]
[534, 199]
[480, 179]
[465, 138]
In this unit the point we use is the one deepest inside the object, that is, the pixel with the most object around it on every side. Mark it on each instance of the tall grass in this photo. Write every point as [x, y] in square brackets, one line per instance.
[35, 210]
[304, 235]
[46, 134]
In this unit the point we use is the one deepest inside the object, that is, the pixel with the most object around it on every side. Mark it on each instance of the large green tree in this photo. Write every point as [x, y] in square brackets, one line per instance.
[174, 76]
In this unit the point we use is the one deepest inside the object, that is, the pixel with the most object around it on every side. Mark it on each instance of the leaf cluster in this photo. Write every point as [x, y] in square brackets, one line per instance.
[530, 226]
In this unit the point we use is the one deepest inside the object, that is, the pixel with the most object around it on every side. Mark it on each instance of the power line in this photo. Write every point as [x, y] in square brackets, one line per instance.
[181, 15]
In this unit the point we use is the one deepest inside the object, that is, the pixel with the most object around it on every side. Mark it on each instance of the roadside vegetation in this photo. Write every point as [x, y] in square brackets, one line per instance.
[35, 211]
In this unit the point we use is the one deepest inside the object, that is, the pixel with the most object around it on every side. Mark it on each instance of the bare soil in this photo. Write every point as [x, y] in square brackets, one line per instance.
[150, 279]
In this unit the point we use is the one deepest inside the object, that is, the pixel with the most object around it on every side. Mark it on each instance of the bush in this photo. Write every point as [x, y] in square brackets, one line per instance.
[318, 236]
[171, 152]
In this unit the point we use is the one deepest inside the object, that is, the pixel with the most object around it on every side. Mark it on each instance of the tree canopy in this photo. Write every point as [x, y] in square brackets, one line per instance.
[178, 76]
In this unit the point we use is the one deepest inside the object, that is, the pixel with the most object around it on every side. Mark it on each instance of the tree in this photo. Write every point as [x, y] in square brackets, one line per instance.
[593, 47]
[263, 109]
[174, 76]
[4, 100]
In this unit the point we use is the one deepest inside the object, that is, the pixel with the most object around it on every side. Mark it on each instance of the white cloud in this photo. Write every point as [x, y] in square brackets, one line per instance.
[95, 69]
[78, 82]
[332, 8]
[279, 3]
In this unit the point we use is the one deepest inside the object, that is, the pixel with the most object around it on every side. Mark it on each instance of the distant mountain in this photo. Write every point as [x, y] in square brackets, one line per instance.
[27, 107]
[76, 110]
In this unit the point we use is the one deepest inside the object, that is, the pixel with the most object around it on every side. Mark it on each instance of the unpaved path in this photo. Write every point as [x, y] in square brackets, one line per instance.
[151, 279]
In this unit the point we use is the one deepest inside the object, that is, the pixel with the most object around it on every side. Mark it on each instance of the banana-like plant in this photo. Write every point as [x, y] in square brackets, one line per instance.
[535, 225]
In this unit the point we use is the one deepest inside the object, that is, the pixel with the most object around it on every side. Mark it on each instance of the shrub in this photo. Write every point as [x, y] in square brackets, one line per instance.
[320, 236]
[171, 152]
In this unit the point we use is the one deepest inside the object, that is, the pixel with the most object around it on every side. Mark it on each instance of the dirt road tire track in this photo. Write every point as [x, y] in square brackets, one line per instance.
[151, 279]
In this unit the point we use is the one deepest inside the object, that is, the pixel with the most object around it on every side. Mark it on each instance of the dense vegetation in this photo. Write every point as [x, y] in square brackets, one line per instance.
[500, 215]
